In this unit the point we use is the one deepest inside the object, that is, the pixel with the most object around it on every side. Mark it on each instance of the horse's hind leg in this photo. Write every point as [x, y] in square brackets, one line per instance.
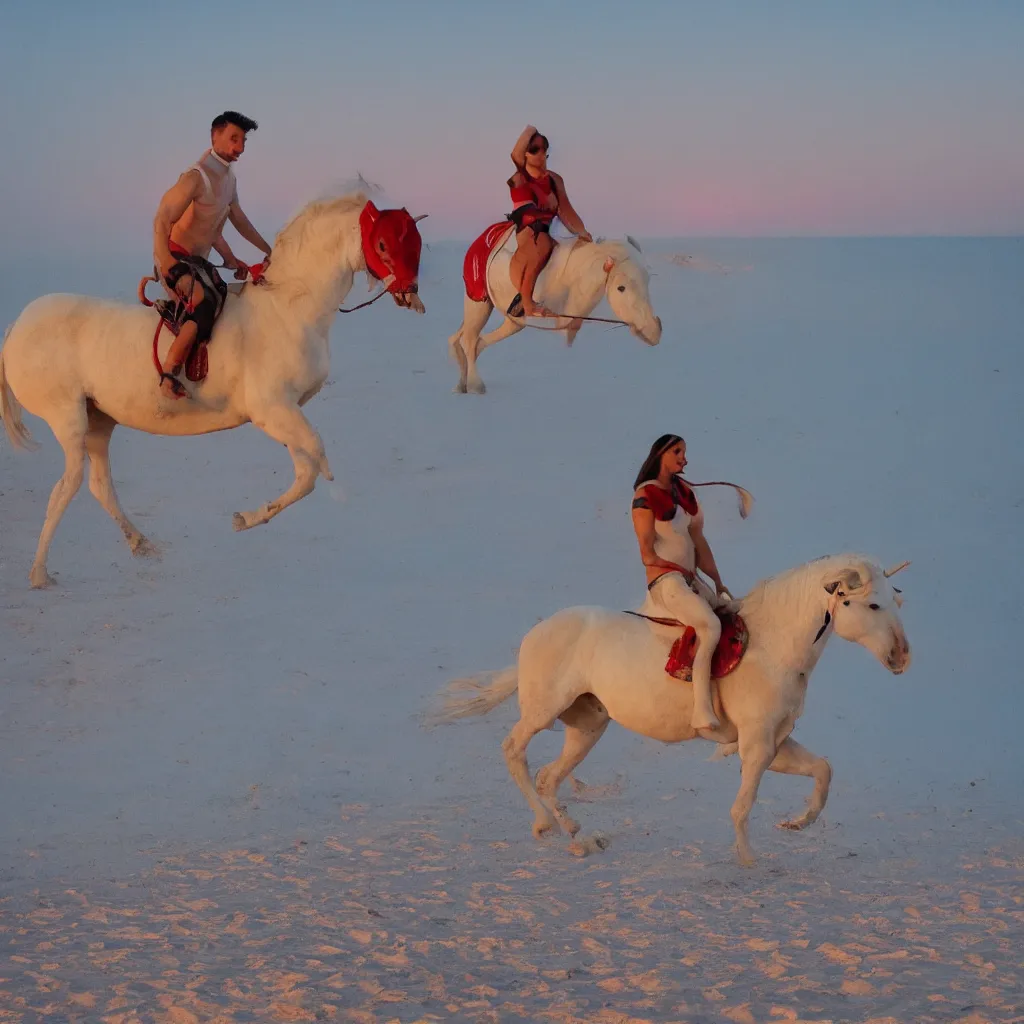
[793, 759]
[585, 722]
[476, 315]
[101, 484]
[455, 351]
[69, 427]
[514, 748]
[286, 423]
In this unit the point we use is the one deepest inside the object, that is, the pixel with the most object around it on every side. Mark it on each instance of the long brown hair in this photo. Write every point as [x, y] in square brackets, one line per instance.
[652, 464]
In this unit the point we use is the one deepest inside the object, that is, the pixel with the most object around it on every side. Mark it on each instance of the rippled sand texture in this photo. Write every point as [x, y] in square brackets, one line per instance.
[216, 798]
[399, 923]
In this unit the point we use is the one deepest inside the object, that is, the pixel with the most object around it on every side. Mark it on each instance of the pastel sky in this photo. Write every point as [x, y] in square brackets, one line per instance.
[674, 118]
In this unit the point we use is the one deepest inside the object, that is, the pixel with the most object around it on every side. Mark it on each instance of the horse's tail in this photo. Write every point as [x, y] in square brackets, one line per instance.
[10, 410]
[474, 696]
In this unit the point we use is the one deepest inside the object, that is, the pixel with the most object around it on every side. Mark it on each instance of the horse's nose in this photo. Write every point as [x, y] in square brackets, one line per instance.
[899, 657]
[655, 335]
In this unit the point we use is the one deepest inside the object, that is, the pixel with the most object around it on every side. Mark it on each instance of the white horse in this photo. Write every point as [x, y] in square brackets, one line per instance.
[574, 281]
[588, 666]
[85, 365]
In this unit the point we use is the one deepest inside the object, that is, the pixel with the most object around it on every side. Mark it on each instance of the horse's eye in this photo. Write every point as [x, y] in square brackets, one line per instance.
[874, 607]
[622, 287]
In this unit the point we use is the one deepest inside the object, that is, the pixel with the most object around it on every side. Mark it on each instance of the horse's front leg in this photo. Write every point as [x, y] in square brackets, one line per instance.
[757, 751]
[793, 759]
[286, 423]
[577, 305]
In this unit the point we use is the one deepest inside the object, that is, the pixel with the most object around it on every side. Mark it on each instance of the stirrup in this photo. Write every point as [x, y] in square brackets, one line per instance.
[515, 307]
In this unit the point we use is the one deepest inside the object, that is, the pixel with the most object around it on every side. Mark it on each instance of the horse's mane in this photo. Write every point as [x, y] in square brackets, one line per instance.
[598, 252]
[294, 232]
[790, 585]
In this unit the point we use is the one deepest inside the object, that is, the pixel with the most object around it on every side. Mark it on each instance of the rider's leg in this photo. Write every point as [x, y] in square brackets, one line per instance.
[536, 261]
[673, 594]
[181, 344]
[524, 246]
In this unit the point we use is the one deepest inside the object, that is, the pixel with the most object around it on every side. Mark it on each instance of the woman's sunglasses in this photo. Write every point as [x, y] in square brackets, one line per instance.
[536, 148]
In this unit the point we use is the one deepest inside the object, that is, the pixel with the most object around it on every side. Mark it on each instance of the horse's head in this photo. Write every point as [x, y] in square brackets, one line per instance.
[627, 294]
[864, 608]
[391, 248]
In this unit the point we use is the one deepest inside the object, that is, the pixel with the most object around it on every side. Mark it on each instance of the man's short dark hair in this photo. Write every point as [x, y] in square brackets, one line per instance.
[247, 124]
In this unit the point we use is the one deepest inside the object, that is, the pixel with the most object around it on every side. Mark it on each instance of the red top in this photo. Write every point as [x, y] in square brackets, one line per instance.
[533, 190]
[663, 503]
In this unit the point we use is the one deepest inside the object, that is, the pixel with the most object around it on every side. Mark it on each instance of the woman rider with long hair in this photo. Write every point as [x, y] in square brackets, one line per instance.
[669, 525]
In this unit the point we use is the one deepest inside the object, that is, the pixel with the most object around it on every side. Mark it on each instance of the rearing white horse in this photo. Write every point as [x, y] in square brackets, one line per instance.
[576, 278]
[85, 365]
[589, 666]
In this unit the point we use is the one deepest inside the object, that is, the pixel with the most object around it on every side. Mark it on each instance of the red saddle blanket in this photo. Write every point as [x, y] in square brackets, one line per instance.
[474, 267]
[732, 645]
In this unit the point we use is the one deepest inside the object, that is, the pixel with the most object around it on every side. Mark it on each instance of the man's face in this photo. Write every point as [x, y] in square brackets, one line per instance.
[229, 142]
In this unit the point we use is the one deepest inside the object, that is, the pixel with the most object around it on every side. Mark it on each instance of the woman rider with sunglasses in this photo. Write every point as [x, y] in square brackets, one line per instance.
[538, 196]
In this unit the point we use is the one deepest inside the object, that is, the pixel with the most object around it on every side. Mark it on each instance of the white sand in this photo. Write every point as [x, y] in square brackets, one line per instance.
[218, 803]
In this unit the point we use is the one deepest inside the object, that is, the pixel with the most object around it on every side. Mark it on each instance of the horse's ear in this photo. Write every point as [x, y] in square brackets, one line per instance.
[609, 265]
[850, 580]
[633, 242]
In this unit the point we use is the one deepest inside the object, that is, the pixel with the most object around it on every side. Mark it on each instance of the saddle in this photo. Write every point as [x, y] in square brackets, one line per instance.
[732, 645]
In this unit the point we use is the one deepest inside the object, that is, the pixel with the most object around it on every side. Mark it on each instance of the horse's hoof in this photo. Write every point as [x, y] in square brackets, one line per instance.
[39, 578]
[239, 522]
[795, 825]
[587, 846]
[540, 828]
[145, 548]
[747, 860]
[573, 827]
[459, 389]
[478, 388]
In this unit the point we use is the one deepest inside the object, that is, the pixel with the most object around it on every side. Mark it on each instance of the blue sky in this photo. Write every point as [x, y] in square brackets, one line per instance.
[674, 119]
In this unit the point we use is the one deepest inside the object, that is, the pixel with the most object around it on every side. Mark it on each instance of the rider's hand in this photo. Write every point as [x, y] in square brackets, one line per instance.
[163, 268]
[241, 272]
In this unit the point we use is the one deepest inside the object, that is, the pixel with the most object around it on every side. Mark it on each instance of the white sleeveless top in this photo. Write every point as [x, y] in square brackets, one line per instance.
[672, 540]
[201, 224]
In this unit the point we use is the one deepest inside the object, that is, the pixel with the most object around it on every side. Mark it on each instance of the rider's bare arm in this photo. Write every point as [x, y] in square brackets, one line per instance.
[244, 227]
[566, 214]
[172, 206]
[519, 149]
[230, 259]
[221, 246]
[702, 549]
[643, 524]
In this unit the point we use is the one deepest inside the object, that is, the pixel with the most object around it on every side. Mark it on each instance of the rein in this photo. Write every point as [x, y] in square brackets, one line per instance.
[363, 305]
[655, 618]
[589, 319]
[385, 286]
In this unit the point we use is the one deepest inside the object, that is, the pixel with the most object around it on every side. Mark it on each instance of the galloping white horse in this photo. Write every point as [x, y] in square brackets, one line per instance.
[574, 281]
[588, 666]
[85, 365]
